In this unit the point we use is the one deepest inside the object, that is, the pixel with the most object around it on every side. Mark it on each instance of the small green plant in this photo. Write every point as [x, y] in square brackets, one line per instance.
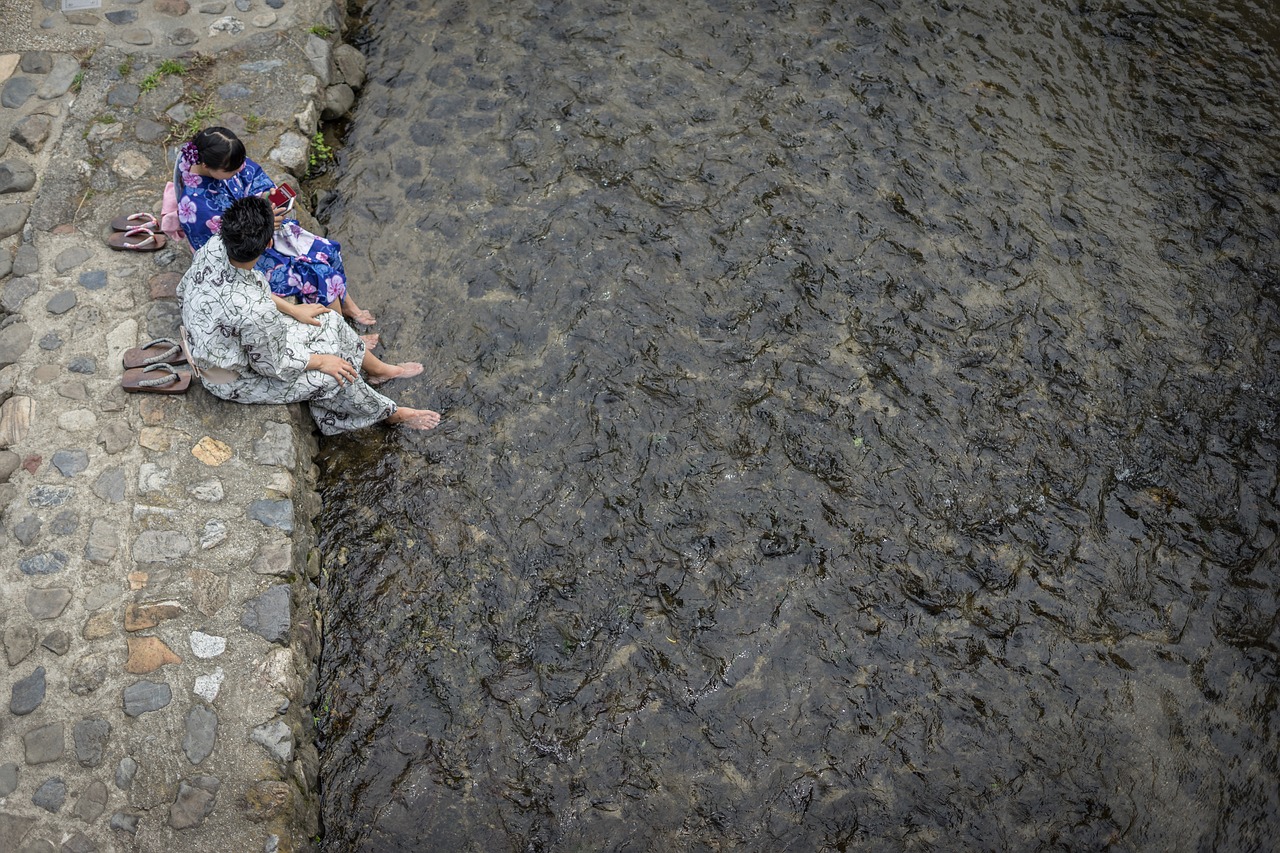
[169, 67]
[125, 68]
[202, 117]
[321, 153]
[253, 123]
[320, 30]
[76, 82]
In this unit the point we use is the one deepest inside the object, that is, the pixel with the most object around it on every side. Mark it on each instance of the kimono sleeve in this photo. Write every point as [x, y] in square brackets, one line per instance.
[265, 339]
[255, 179]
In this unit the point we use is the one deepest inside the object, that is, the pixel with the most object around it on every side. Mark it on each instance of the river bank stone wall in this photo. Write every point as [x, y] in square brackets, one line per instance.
[158, 632]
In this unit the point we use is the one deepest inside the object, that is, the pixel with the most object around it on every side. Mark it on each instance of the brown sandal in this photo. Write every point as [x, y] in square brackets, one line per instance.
[159, 351]
[141, 219]
[137, 239]
[156, 379]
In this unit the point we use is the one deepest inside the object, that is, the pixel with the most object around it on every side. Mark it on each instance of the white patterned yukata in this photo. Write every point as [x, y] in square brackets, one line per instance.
[233, 324]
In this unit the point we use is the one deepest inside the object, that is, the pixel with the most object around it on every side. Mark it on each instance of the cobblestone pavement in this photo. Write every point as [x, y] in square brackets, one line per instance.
[157, 620]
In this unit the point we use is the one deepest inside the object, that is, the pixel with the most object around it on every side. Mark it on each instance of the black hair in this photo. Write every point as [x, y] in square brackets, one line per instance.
[220, 149]
[247, 227]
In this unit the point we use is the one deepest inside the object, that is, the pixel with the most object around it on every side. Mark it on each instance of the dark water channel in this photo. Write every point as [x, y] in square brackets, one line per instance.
[861, 429]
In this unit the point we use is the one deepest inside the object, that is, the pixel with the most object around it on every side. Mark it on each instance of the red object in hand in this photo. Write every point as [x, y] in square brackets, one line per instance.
[282, 196]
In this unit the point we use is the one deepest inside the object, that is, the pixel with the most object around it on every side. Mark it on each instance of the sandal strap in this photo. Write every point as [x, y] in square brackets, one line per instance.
[161, 357]
[168, 378]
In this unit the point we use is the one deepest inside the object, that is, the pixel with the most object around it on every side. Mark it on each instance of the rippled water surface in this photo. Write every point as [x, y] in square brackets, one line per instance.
[860, 429]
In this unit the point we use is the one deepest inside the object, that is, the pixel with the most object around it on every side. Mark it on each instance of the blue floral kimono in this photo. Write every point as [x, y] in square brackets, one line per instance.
[298, 264]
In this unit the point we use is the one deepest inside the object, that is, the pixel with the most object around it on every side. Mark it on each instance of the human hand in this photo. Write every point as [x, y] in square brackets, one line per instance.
[279, 214]
[308, 313]
[331, 365]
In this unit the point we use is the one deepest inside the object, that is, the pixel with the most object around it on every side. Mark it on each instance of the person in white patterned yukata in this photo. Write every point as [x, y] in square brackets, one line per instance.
[264, 349]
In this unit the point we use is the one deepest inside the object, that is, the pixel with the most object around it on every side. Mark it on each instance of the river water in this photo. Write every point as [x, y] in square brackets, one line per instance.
[860, 429]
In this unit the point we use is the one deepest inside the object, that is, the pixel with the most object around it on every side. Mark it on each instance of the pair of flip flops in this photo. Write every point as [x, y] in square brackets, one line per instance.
[136, 232]
[153, 368]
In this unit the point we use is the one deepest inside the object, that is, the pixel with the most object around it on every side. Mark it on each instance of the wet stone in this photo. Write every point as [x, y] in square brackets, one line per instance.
[121, 822]
[268, 615]
[125, 771]
[90, 737]
[70, 258]
[19, 641]
[48, 603]
[17, 291]
[44, 744]
[123, 95]
[278, 514]
[201, 733]
[27, 530]
[27, 693]
[51, 795]
[58, 642]
[142, 697]
[46, 563]
[65, 523]
[122, 17]
[110, 485]
[49, 496]
[8, 778]
[93, 279]
[194, 802]
[70, 462]
[16, 91]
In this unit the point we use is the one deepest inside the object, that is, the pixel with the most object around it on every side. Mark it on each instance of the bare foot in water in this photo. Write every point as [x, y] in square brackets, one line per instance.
[414, 418]
[356, 313]
[370, 341]
[386, 372]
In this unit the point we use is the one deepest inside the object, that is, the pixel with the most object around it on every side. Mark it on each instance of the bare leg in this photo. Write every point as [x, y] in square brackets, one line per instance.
[378, 371]
[355, 312]
[414, 418]
[370, 341]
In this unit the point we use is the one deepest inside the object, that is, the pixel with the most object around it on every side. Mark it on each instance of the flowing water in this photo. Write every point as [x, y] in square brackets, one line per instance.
[860, 429]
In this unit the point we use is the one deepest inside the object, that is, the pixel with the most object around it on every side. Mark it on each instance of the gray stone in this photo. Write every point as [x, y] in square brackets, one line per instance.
[209, 491]
[202, 730]
[88, 674]
[19, 641]
[122, 822]
[36, 62]
[26, 261]
[16, 177]
[139, 37]
[46, 563]
[50, 341]
[65, 523]
[65, 69]
[149, 131]
[241, 5]
[51, 795]
[160, 546]
[16, 91]
[125, 772]
[351, 65]
[268, 615]
[17, 291]
[70, 462]
[9, 462]
[27, 693]
[276, 4]
[142, 697]
[44, 744]
[277, 738]
[215, 8]
[70, 258]
[320, 54]
[102, 595]
[12, 831]
[234, 91]
[291, 152]
[32, 132]
[122, 17]
[228, 25]
[92, 803]
[12, 218]
[183, 36]
[261, 66]
[90, 738]
[58, 642]
[83, 364]
[111, 484]
[123, 95]
[338, 101]
[93, 279]
[274, 559]
[103, 542]
[49, 496]
[214, 534]
[278, 514]
[194, 802]
[79, 843]
[27, 530]
[8, 779]
[48, 603]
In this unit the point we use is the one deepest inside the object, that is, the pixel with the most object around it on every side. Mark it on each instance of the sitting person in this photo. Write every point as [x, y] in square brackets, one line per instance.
[249, 345]
[212, 171]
